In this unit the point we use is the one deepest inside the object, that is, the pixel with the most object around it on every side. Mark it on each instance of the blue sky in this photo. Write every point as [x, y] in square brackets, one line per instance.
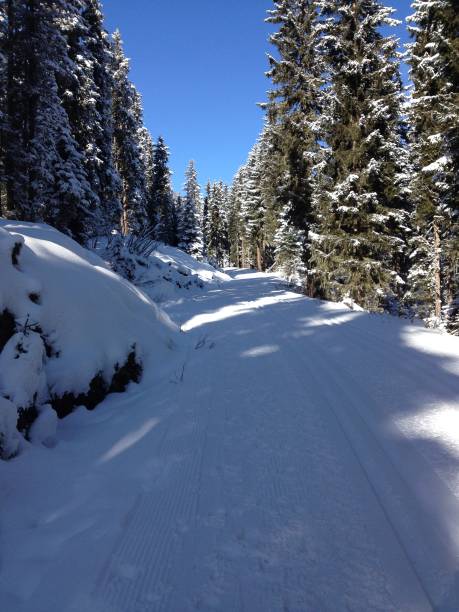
[200, 69]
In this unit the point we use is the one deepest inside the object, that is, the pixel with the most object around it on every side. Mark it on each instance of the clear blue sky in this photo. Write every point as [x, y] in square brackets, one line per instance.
[200, 69]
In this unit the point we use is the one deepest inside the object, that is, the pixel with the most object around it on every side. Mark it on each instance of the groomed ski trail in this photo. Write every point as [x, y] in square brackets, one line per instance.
[287, 469]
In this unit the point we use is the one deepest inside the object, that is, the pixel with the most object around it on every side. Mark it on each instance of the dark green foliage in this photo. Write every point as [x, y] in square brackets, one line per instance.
[434, 139]
[358, 246]
[161, 211]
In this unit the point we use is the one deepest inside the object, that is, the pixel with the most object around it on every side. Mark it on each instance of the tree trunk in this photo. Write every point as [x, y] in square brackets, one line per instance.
[259, 258]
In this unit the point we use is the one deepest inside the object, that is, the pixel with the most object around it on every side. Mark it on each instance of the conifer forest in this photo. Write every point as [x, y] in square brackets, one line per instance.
[350, 190]
[241, 395]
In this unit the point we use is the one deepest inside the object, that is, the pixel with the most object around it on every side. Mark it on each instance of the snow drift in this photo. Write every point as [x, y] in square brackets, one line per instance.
[71, 330]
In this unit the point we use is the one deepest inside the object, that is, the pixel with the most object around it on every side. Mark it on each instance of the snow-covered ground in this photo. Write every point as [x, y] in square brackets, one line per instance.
[301, 457]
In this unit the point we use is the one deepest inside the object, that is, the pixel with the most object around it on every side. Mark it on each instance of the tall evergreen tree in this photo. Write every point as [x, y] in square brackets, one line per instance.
[127, 152]
[292, 109]
[434, 118]
[95, 123]
[253, 207]
[147, 156]
[3, 100]
[289, 248]
[205, 219]
[46, 178]
[361, 198]
[216, 237]
[190, 235]
[161, 210]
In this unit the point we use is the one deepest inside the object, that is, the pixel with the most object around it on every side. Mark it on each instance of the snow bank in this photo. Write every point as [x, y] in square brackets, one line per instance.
[75, 322]
[164, 273]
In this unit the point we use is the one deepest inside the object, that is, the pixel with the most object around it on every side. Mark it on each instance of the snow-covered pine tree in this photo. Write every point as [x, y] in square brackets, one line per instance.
[434, 117]
[361, 200]
[127, 151]
[236, 227]
[3, 98]
[216, 235]
[289, 247]
[147, 155]
[205, 219]
[46, 175]
[189, 233]
[88, 100]
[292, 111]
[161, 210]
[253, 208]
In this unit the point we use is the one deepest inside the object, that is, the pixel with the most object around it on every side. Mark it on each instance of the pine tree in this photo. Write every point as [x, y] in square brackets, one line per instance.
[361, 197]
[236, 225]
[253, 207]
[161, 210]
[216, 238]
[205, 219]
[46, 179]
[434, 282]
[289, 247]
[94, 131]
[190, 236]
[292, 109]
[127, 152]
[3, 101]
[147, 156]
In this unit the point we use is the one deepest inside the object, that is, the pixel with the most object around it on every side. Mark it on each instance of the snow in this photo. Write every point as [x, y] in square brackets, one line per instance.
[80, 305]
[166, 274]
[301, 456]
[22, 378]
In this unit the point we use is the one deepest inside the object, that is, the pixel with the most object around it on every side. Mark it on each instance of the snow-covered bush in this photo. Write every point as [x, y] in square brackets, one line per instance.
[128, 255]
[72, 331]
[161, 271]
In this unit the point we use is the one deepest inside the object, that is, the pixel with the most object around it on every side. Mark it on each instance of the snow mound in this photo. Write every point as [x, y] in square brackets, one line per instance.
[69, 325]
[162, 271]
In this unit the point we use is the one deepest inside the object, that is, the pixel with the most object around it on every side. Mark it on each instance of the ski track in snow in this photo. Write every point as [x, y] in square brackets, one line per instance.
[285, 480]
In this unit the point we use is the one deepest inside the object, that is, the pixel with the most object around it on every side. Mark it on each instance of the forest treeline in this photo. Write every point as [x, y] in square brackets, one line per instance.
[351, 190]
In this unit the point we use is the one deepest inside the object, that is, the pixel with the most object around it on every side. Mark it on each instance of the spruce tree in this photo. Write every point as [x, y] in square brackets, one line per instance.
[289, 247]
[205, 219]
[292, 111]
[46, 178]
[3, 101]
[216, 238]
[236, 225]
[253, 208]
[95, 133]
[127, 152]
[161, 207]
[434, 116]
[361, 197]
[147, 155]
[190, 236]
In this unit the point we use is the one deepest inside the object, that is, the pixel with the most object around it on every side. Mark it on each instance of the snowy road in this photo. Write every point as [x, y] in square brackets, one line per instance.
[304, 457]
